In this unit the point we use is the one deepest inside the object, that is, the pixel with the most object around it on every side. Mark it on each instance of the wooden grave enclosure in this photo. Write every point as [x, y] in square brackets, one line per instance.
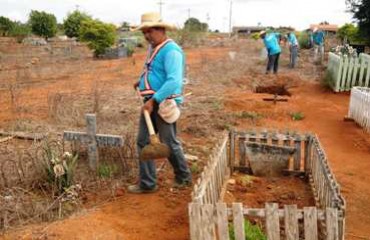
[209, 216]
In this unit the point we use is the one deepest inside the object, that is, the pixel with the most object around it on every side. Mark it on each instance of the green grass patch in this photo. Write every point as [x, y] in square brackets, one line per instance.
[251, 231]
[297, 116]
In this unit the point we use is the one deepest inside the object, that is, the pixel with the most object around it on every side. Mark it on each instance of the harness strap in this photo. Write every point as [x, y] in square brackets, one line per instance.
[148, 89]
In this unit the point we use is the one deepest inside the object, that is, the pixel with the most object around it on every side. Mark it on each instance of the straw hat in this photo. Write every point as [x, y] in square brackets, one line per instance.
[153, 19]
[169, 110]
[262, 33]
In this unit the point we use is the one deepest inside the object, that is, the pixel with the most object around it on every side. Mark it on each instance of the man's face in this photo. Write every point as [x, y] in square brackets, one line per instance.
[152, 35]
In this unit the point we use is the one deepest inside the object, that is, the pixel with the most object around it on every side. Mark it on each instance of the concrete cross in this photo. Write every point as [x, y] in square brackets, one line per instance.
[93, 140]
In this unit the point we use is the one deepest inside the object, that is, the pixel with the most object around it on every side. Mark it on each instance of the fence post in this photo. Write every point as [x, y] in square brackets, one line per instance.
[272, 221]
[238, 220]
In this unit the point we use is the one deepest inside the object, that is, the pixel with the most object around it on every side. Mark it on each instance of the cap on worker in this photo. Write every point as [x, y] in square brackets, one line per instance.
[263, 32]
[169, 111]
[315, 29]
[153, 19]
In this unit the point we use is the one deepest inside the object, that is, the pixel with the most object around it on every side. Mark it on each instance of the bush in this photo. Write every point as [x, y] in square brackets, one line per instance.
[255, 36]
[20, 31]
[304, 40]
[187, 38]
[98, 35]
[43, 24]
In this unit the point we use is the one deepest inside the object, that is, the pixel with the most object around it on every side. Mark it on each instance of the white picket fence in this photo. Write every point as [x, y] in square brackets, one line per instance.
[346, 73]
[359, 106]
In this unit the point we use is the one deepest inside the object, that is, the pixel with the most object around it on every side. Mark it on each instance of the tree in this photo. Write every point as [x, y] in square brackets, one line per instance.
[20, 31]
[194, 25]
[361, 12]
[349, 32]
[98, 35]
[72, 23]
[6, 26]
[43, 24]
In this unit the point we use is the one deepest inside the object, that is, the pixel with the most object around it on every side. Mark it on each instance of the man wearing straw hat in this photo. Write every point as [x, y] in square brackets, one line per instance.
[160, 85]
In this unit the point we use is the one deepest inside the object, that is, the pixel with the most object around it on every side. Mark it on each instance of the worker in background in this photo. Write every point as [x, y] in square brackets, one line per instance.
[293, 48]
[318, 41]
[271, 41]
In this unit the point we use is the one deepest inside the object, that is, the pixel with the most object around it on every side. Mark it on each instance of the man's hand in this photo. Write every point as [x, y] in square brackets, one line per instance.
[149, 105]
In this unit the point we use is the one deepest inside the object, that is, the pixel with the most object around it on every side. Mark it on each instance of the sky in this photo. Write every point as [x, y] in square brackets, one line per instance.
[295, 13]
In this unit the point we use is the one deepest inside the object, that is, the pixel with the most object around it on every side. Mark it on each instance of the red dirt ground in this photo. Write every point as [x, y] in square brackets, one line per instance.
[163, 215]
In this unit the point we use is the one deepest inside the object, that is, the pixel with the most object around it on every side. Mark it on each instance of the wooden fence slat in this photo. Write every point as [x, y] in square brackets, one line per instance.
[310, 223]
[297, 156]
[196, 226]
[210, 221]
[222, 221]
[242, 154]
[332, 224]
[291, 222]
[272, 221]
[238, 220]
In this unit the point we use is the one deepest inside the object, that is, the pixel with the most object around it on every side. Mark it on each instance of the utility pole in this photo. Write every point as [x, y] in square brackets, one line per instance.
[160, 3]
[230, 17]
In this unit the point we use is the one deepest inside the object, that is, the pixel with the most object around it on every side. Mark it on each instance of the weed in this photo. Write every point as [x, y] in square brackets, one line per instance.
[297, 116]
[107, 170]
[59, 169]
[194, 168]
[249, 115]
[251, 231]
[246, 181]
[327, 81]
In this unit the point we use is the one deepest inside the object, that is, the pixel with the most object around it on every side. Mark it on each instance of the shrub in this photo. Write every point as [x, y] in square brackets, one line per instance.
[304, 40]
[98, 35]
[20, 31]
[255, 36]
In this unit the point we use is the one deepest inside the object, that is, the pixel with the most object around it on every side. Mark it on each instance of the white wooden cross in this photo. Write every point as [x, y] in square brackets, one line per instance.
[93, 140]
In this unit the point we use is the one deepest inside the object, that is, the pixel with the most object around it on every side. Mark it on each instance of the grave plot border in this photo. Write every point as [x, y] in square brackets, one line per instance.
[208, 216]
[359, 107]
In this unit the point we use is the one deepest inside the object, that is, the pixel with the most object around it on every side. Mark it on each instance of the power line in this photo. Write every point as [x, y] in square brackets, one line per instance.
[230, 16]
[160, 3]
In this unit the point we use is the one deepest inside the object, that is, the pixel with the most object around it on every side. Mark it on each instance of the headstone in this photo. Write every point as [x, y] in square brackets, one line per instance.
[93, 140]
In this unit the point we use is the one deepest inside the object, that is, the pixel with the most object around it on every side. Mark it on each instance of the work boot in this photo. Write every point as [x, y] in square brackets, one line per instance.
[136, 189]
[182, 184]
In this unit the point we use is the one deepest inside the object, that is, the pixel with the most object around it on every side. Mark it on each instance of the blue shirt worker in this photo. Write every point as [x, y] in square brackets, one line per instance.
[293, 48]
[319, 42]
[271, 41]
[161, 80]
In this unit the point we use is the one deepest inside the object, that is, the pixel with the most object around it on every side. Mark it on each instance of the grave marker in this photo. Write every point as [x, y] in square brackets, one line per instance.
[93, 140]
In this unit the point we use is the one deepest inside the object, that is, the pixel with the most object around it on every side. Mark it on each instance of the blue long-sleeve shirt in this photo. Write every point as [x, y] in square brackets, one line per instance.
[318, 37]
[165, 73]
[292, 39]
[271, 42]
